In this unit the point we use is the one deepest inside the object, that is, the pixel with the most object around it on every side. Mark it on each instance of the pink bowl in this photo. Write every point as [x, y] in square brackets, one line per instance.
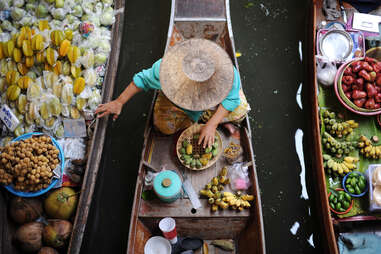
[336, 84]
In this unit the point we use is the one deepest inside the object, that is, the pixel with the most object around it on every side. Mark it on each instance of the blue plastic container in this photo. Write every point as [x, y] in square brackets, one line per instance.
[54, 181]
[345, 188]
[167, 186]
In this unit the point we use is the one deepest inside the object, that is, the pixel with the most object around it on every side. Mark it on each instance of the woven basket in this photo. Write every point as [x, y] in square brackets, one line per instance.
[188, 135]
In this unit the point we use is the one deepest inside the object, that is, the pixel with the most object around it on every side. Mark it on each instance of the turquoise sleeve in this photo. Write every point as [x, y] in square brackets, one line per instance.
[232, 101]
[149, 78]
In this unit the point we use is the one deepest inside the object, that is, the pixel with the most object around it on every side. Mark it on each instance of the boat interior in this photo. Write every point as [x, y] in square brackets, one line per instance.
[244, 227]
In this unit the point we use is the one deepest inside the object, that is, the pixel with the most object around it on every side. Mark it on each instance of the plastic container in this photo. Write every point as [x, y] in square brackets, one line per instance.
[334, 211]
[157, 245]
[167, 186]
[345, 188]
[54, 181]
[373, 207]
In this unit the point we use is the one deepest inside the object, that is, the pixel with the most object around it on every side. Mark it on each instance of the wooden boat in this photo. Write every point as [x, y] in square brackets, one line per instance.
[330, 226]
[210, 20]
[95, 148]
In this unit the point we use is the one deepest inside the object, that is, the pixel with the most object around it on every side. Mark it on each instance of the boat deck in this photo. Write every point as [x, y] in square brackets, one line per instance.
[162, 155]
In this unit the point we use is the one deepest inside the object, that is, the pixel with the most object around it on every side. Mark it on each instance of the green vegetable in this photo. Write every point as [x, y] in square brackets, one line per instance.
[348, 197]
[214, 152]
[332, 205]
[208, 149]
[185, 143]
[182, 150]
[351, 190]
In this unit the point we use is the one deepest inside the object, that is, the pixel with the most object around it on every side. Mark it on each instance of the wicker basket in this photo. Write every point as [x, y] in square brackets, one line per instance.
[188, 135]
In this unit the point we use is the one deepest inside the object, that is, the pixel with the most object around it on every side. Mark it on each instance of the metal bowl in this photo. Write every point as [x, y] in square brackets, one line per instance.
[337, 45]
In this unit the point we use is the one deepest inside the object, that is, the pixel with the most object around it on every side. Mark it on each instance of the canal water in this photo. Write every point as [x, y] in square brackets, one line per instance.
[271, 37]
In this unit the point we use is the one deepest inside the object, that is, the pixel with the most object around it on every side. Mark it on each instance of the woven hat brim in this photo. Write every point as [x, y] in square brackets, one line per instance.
[191, 95]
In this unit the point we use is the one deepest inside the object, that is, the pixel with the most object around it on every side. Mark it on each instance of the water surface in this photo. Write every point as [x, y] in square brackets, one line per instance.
[270, 35]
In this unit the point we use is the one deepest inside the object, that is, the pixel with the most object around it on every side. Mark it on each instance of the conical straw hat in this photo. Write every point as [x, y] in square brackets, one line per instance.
[196, 74]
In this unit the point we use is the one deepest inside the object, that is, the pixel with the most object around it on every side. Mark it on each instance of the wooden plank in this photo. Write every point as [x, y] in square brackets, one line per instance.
[142, 236]
[203, 227]
[97, 141]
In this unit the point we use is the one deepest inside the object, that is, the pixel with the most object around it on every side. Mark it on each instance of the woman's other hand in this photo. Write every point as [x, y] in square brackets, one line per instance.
[113, 107]
[207, 135]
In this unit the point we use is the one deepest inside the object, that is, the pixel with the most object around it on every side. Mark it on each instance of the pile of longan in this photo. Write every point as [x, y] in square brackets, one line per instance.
[28, 164]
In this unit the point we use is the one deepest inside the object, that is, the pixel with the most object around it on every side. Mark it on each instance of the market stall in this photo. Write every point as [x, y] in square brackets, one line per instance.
[58, 61]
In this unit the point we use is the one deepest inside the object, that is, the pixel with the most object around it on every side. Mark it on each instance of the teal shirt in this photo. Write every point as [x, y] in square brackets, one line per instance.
[149, 79]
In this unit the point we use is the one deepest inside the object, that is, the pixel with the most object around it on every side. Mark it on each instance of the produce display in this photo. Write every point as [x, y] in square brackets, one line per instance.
[337, 127]
[29, 164]
[337, 148]
[52, 60]
[340, 201]
[355, 183]
[361, 83]
[217, 199]
[194, 155]
[368, 149]
[337, 167]
[54, 231]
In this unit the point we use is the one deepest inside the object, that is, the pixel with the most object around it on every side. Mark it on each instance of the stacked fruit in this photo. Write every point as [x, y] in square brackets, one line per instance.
[194, 155]
[340, 201]
[336, 127]
[361, 83]
[355, 183]
[217, 199]
[336, 167]
[42, 74]
[368, 149]
[337, 148]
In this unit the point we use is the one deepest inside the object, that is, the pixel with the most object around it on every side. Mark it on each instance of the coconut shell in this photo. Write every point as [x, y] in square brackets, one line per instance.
[24, 210]
[47, 250]
[29, 236]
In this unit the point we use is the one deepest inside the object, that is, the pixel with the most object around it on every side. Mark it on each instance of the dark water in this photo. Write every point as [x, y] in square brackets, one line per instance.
[270, 35]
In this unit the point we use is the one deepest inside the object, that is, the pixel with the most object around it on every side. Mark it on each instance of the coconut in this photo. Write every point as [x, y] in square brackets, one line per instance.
[29, 236]
[24, 210]
[61, 203]
[57, 232]
[47, 250]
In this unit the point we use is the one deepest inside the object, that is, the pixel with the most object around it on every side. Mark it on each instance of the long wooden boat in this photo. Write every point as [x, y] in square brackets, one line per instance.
[331, 226]
[95, 148]
[210, 20]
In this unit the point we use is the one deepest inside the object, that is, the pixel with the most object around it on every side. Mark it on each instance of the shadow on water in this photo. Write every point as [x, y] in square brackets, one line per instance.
[269, 34]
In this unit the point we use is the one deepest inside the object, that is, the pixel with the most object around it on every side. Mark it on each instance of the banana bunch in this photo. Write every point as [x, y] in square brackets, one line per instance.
[335, 167]
[368, 149]
[237, 201]
[336, 147]
[213, 190]
[337, 127]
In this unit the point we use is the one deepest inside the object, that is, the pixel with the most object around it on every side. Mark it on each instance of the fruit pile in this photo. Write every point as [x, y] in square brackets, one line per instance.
[361, 83]
[217, 199]
[52, 60]
[355, 183]
[29, 164]
[368, 149]
[335, 147]
[336, 127]
[340, 201]
[194, 155]
[335, 167]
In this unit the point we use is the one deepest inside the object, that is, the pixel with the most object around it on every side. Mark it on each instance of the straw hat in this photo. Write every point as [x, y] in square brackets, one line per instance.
[196, 74]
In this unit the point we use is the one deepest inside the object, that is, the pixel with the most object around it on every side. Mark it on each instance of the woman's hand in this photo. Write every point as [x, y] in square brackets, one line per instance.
[113, 107]
[207, 135]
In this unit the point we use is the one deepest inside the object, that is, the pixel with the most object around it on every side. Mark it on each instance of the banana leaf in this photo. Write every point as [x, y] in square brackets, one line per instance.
[368, 127]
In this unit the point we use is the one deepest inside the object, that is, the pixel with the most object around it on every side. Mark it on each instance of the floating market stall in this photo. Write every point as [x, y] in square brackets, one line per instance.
[58, 61]
[345, 89]
[197, 187]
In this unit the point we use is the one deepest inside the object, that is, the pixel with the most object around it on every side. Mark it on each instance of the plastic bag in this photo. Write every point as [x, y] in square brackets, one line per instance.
[239, 176]
[326, 71]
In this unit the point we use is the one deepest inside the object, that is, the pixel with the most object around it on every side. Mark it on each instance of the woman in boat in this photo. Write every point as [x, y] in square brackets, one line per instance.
[197, 80]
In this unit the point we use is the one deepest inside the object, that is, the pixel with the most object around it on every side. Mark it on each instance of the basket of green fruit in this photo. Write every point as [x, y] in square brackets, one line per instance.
[340, 202]
[194, 156]
[355, 184]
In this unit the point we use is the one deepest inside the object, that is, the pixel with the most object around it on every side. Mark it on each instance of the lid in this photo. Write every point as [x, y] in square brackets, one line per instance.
[157, 245]
[167, 184]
